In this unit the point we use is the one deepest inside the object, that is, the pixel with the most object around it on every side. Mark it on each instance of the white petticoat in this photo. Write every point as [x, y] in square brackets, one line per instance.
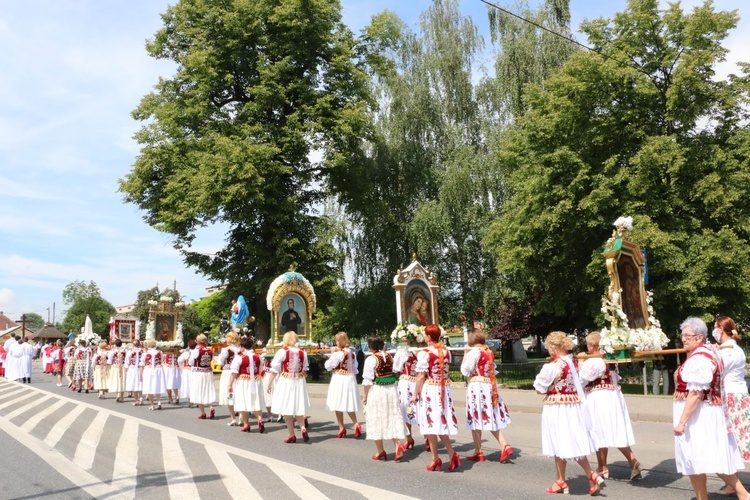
[565, 433]
[116, 381]
[706, 447]
[224, 387]
[610, 420]
[405, 393]
[248, 395]
[133, 379]
[383, 418]
[343, 393]
[153, 380]
[202, 391]
[434, 417]
[101, 376]
[290, 396]
[478, 405]
[173, 377]
[185, 383]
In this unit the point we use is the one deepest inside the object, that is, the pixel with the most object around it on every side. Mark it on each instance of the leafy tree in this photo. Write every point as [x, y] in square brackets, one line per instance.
[209, 310]
[647, 131]
[265, 105]
[86, 299]
[34, 320]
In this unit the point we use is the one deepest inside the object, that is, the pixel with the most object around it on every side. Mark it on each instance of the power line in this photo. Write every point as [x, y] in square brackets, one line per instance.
[568, 39]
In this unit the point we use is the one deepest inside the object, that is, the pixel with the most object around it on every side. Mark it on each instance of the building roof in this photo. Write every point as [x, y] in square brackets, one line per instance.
[6, 323]
[48, 331]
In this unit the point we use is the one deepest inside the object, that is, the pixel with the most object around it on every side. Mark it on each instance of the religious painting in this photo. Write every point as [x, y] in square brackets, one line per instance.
[631, 296]
[417, 300]
[125, 331]
[292, 314]
[164, 327]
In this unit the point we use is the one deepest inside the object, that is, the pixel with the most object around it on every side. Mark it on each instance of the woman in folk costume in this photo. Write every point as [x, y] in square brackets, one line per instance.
[172, 374]
[152, 374]
[437, 417]
[69, 353]
[736, 398]
[343, 392]
[202, 391]
[47, 357]
[290, 398]
[702, 443]
[116, 362]
[226, 356]
[101, 370]
[606, 409]
[485, 409]
[267, 385]
[565, 425]
[404, 362]
[383, 416]
[184, 361]
[133, 383]
[246, 383]
[83, 375]
[58, 362]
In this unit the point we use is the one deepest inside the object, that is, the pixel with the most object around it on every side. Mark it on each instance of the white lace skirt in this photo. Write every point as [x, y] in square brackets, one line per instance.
[116, 381]
[290, 396]
[610, 420]
[202, 391]
[383, 418]
[173, 376]
[248, 395]
[101, 377]
[343, 394]
[405, 393]
[224, 387]
[565, 432]
[706, 447]
[480, 415]
[185, 383]
[153, 380]
[133, 379]
[435, 417]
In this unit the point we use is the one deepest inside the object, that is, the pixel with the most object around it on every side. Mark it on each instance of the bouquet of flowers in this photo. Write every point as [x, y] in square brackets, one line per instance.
[411, 334]
[620, 336]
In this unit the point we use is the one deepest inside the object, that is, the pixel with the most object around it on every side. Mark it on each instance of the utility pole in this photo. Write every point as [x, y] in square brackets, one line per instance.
[48, 315]
[23, 326]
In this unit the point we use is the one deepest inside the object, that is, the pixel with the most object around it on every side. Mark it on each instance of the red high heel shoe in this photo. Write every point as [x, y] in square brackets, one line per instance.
[246, 428]
[341, 434]
[202, 416]
[380, 456]
[436, 465]
[305, 437]
[400, 449]
[261, 427]
[477, 457]
[211, 414]
[291, 439]
[409, 442]
[455, 462]
[558, 487]
[595, 480]
[357, 430]
[507, 453]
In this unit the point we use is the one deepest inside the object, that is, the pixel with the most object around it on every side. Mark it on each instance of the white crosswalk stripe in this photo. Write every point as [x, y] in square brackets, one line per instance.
[176, 467]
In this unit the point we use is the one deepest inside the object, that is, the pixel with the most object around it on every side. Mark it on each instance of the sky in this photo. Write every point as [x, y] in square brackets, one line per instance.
[71, 72]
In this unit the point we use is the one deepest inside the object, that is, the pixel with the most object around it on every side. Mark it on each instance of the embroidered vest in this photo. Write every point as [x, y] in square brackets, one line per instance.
[710, 396]
[603, 382]
[230, 357]
[563, 389]
[293, 362]
[204, 358]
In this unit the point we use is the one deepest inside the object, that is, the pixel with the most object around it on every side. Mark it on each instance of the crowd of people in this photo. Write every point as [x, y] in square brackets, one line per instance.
[584, 412]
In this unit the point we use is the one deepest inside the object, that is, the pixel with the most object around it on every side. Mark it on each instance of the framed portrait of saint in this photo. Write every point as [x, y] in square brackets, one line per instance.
[125, 331]
[632, 298]
[164, 327]
[292, 314]
[418, 301]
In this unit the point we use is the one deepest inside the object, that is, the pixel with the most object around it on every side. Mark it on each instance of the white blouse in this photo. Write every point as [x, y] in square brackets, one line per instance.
[423, 359]
[338, 356]
[280, 357]
[697, 372]
[368, 371]
[734, 367]
[470, 361]
[546, 377]
[402, 356]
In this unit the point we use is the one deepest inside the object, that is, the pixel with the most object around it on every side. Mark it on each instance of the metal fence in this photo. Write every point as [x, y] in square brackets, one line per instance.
[509, 374]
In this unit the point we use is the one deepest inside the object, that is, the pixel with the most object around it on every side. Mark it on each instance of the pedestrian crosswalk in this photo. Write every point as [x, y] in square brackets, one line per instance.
[113, 455]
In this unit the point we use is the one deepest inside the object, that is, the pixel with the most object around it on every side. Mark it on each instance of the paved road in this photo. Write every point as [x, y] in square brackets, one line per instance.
[60, 444]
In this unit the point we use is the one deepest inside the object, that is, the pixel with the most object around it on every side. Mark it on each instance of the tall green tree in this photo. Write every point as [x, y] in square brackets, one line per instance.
[648, 131]
[86, 299]
[34, 320]
[265, 104]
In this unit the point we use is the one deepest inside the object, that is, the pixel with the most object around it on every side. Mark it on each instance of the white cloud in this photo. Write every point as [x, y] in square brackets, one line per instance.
[6, 294]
